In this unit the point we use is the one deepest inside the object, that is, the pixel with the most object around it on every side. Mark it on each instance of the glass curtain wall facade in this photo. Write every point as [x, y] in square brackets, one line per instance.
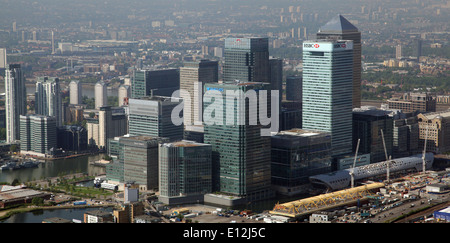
[140, 160]
[185, 170]
[157, 82]
[191, 76]
[296, 155]
[327, 91]
[339, 28]
[151, 116]
[246, 59]
[241, 156]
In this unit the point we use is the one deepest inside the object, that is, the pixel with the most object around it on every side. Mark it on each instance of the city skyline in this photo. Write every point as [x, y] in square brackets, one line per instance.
[235, 104]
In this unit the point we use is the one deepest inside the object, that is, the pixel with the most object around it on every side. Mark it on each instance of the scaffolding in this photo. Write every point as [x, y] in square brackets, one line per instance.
[325, 201]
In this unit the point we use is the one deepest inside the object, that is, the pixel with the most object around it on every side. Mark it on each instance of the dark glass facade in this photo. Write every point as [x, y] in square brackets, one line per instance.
[159, 82]
[246, 59]
[241, 156]
[296, 155]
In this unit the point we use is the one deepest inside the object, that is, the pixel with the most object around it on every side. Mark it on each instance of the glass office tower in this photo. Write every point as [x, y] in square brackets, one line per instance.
[240, 155]
[162, 82]
[327, 91]
[246, 59]
[339, 28]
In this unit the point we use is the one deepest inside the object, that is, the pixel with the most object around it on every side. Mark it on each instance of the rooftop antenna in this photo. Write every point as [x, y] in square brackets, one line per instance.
[388, 161]
[352, 171]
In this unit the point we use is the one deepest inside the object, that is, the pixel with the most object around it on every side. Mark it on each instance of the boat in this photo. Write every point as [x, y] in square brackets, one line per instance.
[30, 164]
[8, 166]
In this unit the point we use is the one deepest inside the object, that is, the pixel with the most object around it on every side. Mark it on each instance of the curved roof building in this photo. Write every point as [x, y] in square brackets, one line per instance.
[341, 179]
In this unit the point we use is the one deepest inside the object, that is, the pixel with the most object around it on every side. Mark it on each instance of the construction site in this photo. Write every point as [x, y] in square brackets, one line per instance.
[396, 190]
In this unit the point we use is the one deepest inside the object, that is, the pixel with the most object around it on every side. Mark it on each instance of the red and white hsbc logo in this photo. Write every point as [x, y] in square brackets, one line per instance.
[310, 45]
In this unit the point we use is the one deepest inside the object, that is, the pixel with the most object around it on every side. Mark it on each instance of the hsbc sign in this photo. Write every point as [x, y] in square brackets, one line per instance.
[311, 45]
[341, 45]
[328, 46]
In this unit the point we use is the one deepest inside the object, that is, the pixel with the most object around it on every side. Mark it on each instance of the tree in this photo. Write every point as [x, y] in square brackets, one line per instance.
[13, 148]
[15, 182]
[37, 201]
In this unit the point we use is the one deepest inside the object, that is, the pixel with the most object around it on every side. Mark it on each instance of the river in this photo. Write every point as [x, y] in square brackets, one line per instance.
[54, 168]
[39, 215]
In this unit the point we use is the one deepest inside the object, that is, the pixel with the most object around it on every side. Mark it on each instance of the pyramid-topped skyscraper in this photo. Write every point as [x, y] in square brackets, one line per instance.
[339, 28]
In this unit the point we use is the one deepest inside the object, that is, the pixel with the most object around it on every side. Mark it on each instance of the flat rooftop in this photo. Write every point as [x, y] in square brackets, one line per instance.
[301, 132]
[184, 143]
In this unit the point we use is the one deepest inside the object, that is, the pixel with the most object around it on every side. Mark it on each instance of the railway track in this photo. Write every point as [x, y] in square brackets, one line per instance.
[423, 213]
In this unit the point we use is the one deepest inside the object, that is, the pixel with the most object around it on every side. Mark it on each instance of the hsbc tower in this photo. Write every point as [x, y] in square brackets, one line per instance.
[327, 91]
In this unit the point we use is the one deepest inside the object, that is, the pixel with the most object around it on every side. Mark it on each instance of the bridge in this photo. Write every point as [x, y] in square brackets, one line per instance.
[325, 201]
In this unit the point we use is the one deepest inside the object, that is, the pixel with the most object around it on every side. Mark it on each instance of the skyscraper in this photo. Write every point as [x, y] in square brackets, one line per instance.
[124, 94]
[192, 78]
[3, 62]
[101, 98]
[184, 172]
[276, 76]
[151, 116]
[155, 82]
[15, 101]
[246, 59]
[48, 98]
[327, 86]
[241, 156]
[294, 88]
[75, 92]
[339, 28]
[398, 52]
[140, 160]
[37, 134]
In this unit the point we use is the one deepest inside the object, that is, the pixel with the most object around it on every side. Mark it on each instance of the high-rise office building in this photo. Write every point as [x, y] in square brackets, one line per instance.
[101, 95]
[76, 92]
[339, 28]
[367, 125]
[276, 76]
[246, 60]
[193, 76]
[152, 116]
[398, 52]
[241, 156]
[3, 62]
[327, 86]
[296, 155]
[108, 124]
[294, 88]
[140, 160]
[37, 134]
[155, 82]
[72, 138]
[48, 100]
[184, 172]
[419, 48]
[15, 101]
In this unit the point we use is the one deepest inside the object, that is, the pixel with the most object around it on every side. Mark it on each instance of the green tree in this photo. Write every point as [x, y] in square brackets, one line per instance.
[37, 201]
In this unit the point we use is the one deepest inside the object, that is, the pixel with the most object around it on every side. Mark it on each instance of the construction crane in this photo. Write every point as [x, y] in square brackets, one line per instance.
[424, 150]
[388, 161]
[352, 174]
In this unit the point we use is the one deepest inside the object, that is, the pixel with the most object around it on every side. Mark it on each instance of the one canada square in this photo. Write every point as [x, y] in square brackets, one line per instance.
[327, 90]
[339, 28]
